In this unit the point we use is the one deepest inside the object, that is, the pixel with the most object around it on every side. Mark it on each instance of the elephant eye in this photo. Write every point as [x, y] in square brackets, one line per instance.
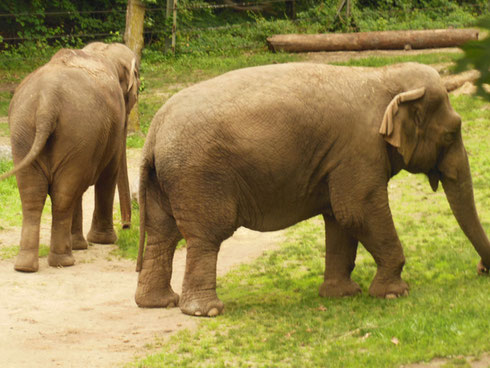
[449, 137]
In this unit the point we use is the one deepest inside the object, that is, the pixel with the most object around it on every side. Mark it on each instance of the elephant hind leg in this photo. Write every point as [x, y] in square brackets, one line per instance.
[154, 289]
[64, 200]
[204, 228]
[102, 229]
[199, 296]
[78, 241]
[33, 189]
[341, 249]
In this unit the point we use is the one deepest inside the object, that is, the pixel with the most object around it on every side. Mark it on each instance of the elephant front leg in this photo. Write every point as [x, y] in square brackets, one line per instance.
[78, 241]
[199, 296]
[341, 249]
[379, 237]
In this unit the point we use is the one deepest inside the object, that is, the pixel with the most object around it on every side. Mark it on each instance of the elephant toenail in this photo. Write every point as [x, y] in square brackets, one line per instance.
[198, 313]
[390, 296]
[213, 312]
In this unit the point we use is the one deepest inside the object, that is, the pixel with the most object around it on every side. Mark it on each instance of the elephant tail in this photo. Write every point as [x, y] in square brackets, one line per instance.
[45, 124]
[144, 175]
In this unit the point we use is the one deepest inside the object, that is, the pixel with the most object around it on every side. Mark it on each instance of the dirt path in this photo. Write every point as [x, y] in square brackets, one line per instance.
[85, 316]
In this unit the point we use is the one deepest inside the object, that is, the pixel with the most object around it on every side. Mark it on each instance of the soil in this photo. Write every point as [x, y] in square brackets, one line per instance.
[85, 315]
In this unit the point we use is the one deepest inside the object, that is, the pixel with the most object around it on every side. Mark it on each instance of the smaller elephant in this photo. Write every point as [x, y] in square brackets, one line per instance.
[267, 147]
[68, 124]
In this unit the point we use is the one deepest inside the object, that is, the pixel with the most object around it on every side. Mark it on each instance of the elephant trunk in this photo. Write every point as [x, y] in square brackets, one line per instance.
[457, 184]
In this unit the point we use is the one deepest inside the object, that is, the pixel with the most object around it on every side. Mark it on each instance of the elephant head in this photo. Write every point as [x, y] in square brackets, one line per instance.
[126, 66]
[421, 123]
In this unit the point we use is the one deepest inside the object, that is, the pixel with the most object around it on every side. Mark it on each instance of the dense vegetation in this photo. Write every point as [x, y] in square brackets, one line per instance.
[28, 27]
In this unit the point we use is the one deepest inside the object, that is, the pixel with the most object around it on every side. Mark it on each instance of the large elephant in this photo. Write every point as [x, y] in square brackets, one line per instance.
[270, 146]
[68, 131]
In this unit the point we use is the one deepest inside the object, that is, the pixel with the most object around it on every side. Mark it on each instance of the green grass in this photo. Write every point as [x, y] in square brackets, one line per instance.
[128, 239]
[10, 251]
[4, 130]
[4, 103]
[10, 210]
[378, 61]
[275, 318]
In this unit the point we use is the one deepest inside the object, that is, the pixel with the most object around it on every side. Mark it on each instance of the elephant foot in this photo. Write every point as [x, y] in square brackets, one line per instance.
[78, 242]
[27, 261]
[201, 304]
[389, 289]
[102, 237]
[482, 269]
[339, 288]
[156, 299]
[61, 260]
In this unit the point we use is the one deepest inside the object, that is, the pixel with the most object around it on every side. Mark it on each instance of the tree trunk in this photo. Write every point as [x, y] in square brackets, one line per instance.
[371, 40]
[133, 37]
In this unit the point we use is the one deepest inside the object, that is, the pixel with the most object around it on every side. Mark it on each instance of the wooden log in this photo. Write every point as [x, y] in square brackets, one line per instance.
[383, 40]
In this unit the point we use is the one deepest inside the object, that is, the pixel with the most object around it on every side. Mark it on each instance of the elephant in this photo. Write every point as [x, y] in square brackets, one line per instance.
[68, 124]
[269, 146]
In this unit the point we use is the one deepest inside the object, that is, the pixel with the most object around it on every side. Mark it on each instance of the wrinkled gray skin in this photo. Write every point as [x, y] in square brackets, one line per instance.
[68, 126]
[270, 146]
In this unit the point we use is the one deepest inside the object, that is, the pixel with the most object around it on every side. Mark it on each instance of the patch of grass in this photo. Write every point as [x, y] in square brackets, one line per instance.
[128, 239]
[4, 130]
[274, 316]
[11, 251]
[378, 61]
[4, 103]
[11, 209]
[135, 141]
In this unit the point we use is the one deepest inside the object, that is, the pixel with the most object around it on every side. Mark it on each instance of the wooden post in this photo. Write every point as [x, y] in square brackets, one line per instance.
[291, 9]
[133, 37]
[174, 26]
[168, 14]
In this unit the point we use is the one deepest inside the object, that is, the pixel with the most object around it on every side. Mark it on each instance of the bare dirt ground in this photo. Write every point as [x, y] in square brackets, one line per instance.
[85, 316]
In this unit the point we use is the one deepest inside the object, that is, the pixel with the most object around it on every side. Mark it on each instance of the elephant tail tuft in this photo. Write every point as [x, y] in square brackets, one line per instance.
[144, 175]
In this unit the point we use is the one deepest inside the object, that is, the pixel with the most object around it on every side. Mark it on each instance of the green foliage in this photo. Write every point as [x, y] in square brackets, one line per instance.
[42, 24]
[477, 55]
[60, 22]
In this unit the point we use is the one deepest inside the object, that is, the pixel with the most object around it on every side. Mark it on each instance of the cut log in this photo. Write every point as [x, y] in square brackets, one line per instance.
[384, 40]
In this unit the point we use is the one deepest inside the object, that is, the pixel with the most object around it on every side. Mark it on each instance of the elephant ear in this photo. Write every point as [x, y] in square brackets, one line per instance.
[132, 90]
[399, 127]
